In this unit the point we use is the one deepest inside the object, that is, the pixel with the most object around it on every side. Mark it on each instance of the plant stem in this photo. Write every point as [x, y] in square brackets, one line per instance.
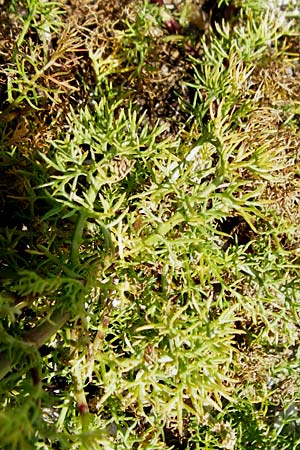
[77, 238]
[37, 336]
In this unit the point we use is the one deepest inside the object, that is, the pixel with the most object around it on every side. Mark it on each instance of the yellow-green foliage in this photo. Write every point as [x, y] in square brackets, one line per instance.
[149, 249]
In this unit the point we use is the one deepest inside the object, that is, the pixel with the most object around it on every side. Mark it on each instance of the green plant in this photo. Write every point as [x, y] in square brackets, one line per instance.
[150, 292]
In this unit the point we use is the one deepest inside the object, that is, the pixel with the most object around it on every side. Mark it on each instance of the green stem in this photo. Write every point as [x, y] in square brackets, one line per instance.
[78, 383]
[81, 221]
[77, 238]
[24, 31]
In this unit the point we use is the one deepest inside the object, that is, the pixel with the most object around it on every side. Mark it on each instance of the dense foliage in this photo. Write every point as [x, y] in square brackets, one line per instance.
[149, 245]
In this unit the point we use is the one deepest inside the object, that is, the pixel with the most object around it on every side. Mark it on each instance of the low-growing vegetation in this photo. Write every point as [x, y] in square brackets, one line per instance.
[149, 204]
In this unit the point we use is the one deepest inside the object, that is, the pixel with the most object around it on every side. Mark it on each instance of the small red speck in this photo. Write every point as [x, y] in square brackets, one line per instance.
[83, 408]
[100, 335]
[158, 2]
[105, 321]
[173, 26]
[190, 50]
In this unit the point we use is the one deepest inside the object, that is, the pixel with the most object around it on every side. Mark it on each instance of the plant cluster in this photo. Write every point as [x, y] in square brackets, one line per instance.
[149, 248]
